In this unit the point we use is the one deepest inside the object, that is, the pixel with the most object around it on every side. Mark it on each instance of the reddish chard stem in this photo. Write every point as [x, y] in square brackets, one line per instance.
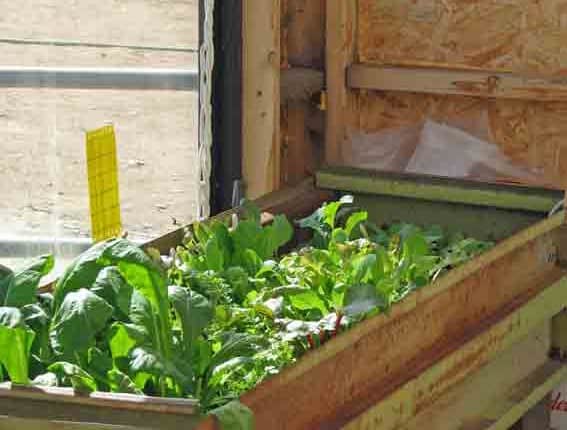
[338, 323]
[322, 336]
[310, 341]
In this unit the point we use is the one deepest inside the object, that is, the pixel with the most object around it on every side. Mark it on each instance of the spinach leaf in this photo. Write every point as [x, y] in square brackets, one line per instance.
[22, 289]
[82, 273]
[80, 318]
[73, 374]
[112, 287]
[194, 311]
[15, 344]
[234, 416]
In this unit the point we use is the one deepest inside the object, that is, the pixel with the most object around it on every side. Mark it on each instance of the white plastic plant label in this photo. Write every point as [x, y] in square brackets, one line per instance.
[558, 408]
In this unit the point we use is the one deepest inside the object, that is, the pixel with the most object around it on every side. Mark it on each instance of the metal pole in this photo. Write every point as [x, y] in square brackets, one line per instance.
[99, 78]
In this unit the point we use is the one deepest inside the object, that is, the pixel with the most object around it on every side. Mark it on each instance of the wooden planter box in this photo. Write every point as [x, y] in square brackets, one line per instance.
[426, 361]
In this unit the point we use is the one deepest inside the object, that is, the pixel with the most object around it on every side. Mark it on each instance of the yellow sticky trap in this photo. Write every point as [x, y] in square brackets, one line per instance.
[102, 170]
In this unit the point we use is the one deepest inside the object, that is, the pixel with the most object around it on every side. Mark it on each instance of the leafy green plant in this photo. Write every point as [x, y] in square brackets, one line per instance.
[227, 313]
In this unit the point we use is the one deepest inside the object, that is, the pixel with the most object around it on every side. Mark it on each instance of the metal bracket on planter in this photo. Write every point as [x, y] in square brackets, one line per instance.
[559, 321]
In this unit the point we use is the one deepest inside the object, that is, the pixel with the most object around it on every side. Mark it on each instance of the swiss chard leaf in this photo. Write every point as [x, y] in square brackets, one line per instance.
[194, 311]
[308, 300]
[361, 299]
[123, 338]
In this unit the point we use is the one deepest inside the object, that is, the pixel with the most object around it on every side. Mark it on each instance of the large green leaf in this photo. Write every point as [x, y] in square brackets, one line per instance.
[308, 300]
[82, 273]
[235, 345]
[23, 289]
[69, 373]
[247, 235]
[354, 220]
[37, 318]
[111, 286]
[121, 383]
[142, 316]
[150, 283]
[6, 279]
[123, 338]
[147, 360]
[81, 316]
[362, 298]
[277, 234]
[214, 255]
[234, 416]
[194, 311]
[15, 344]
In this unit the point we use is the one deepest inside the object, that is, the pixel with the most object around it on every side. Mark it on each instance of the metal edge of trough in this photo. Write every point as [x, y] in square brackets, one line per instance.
[507, 197]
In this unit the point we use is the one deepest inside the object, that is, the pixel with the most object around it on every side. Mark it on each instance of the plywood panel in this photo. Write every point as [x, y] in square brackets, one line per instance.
[532, 134]
[516, 35]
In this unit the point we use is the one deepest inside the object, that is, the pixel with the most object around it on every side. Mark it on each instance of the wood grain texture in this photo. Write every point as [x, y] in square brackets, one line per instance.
[483, 382]
[303, 60]
[521, 37]
[531, 134]
[341, 28]
[476, 83]
[261, 95]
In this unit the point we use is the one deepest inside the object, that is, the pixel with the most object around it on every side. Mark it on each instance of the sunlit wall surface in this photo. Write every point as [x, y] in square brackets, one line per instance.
[43, 182]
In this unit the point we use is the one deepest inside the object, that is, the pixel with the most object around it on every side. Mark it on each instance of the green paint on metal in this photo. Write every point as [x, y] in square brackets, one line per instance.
[436, 189]
[482, 223]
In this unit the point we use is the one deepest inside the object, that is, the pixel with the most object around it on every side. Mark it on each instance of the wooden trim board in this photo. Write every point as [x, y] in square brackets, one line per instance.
[476, 83]
[66, 405]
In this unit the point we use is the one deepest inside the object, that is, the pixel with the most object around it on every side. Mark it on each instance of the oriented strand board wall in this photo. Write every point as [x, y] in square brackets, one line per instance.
[522, 36]
[515, 35]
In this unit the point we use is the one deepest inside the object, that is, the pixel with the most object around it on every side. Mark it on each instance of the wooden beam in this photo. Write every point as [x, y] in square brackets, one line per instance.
[476, 83]
[261, 96]
[9, 423]
[340, 54]
[300, 84]
[64, 404]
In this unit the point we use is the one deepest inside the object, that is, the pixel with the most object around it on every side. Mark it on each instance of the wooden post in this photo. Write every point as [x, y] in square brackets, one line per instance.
[261, 88]
[340, 53]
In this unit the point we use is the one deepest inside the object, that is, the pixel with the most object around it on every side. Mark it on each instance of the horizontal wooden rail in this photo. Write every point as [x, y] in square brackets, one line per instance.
[477, 83]
[53, 404]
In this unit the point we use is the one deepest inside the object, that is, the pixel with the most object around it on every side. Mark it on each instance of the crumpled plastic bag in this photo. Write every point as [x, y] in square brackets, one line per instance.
[457, 150]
